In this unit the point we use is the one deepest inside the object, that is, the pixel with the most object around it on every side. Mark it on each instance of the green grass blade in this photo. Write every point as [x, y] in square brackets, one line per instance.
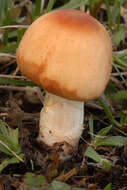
[115, 13]
[37, 12]
[16, 82]
[74, 4]
[2, 11]
[49, 6]
[108, 11]
[20, 33]
[101, 135]
[119, 61]
[120, 97]
[107, 111]
[91, 127]
[104, 131]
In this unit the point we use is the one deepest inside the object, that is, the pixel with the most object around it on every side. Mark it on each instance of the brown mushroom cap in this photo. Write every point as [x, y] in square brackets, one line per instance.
[67, 53]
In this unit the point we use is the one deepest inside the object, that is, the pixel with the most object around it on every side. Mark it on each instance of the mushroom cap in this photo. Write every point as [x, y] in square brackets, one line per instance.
[67, 53]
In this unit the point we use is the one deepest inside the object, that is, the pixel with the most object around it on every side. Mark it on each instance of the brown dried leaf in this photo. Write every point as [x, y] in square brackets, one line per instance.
[65, 177]
[123, 13]
[52, 169]
[2, 186]
[15, 11]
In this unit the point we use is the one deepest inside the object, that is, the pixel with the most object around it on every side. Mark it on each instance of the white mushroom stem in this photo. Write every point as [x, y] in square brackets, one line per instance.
[61, 120]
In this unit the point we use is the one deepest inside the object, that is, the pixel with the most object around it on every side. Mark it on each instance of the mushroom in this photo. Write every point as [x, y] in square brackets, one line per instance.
[69, 54]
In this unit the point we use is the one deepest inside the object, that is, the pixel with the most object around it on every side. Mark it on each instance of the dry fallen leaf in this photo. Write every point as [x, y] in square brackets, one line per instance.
[123, 13]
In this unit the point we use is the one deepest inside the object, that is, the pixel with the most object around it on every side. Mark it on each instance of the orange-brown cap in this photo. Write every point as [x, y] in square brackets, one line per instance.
[67, 53]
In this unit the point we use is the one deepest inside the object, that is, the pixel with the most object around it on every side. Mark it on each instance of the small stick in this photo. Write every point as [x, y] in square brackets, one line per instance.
[7, 55]
[117, 74]
[12, 76]
[14, 26]
[17, 88]
[1, 142]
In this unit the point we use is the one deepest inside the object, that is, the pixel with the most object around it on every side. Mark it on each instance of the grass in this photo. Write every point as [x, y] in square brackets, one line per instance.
[102, 149]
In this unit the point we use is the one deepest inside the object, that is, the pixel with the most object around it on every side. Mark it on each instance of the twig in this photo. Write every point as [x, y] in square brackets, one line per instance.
[120, 52]
[7, 55]
[42, 5]
[120, 67]
[14, 26]
[27, 88]
[3, 114]
[17, 88]
[12, 76]
[117, 82]
[16, 71]
[82, 8]
[1, 142]
[39, 93]
[93, 105]
[117, 74]
[22, 3]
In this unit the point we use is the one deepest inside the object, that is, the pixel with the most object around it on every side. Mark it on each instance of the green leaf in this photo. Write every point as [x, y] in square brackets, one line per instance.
[3, 129]
[108, 187]
[47, 187]
[57, 185]
[34, 182]
[8, 143]
[119, 35]
[91, 153]
[13, 136]
[4, 150]
[8, 139]
[117, 141]
[74, 4]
